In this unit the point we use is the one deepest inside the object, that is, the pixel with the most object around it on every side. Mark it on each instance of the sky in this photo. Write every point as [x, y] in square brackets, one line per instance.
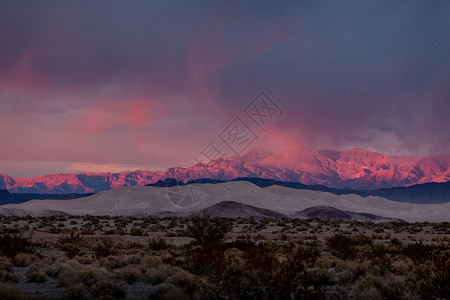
[115, 85]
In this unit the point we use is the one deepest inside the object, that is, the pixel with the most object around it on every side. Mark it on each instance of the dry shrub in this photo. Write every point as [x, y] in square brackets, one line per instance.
[119, 261]
[10, 292]
[394, 287]
[77, 291]
[6, 270]
[105, 247]
[137, 231]
[167, 291]
[385, 287]
[244, 242]
[418, 252]
[208, 230]
[344, 246]
[80, 280]
[158, 244]
[24, 259]
[160, 274]
[72, 243]
[350, 271]
[260, 272]
[325, 276]
[131, 274]
[53, 258]
[323, 262]
[433, 277]
[150, 261]
[85, 259]
[133, 259]
[371, 293]
[74, 237]
[107, 290]
[166, 257]
[87, 231]
[113, 262]
[52, 270]
[37, 275]
[368, 282]
[71, 250]
[12, 244]
[401, 267]
[185, 280]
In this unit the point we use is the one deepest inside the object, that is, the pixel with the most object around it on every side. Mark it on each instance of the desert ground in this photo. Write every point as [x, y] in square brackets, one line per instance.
[124, 257]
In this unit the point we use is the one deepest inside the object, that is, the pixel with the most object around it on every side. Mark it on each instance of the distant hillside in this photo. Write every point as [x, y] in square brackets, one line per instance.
[7, 197]
[34, 213]
[432, 192]
[234, 209]
[426, 193]
[324, 212]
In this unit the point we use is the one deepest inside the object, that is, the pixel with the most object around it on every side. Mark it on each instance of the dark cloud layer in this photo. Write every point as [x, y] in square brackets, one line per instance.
[78, 77]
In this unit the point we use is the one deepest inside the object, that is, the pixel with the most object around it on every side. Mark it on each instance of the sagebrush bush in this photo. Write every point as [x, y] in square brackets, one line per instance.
[137, 231]
[150, 261]
[160, 274]
[6, 270]
[72, 243]
[208, 230]
[158, 244]
[167, 291]
[24, 259]
[185, 280]
[131, 274]
[12, 244]
[105, 247]
[37, 275]
[113, 262]
[401, 267]
[80, 280]
[343, 246]
[433, 276]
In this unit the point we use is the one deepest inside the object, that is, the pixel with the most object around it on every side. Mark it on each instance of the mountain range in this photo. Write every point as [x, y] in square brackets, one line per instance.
[348, 169]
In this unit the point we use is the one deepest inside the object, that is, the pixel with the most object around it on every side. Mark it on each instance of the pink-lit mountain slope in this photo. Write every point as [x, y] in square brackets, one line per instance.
[354, 168]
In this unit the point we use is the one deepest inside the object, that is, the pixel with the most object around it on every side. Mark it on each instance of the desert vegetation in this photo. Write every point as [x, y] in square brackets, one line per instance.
[105, 257]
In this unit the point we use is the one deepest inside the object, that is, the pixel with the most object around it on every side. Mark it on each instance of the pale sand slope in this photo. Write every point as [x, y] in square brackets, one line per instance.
[146, 200]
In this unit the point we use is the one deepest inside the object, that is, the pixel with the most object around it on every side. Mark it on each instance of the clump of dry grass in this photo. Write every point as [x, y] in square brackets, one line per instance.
[6, 270]
[24, 259]
[160, 274]
[37, 275]
[131, 274]
[81, 281]
[185, 280]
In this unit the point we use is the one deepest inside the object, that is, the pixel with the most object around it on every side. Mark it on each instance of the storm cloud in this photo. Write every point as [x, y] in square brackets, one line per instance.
[151, 83]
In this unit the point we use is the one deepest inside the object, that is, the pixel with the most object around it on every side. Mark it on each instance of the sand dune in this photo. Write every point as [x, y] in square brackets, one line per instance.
[149, 200]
